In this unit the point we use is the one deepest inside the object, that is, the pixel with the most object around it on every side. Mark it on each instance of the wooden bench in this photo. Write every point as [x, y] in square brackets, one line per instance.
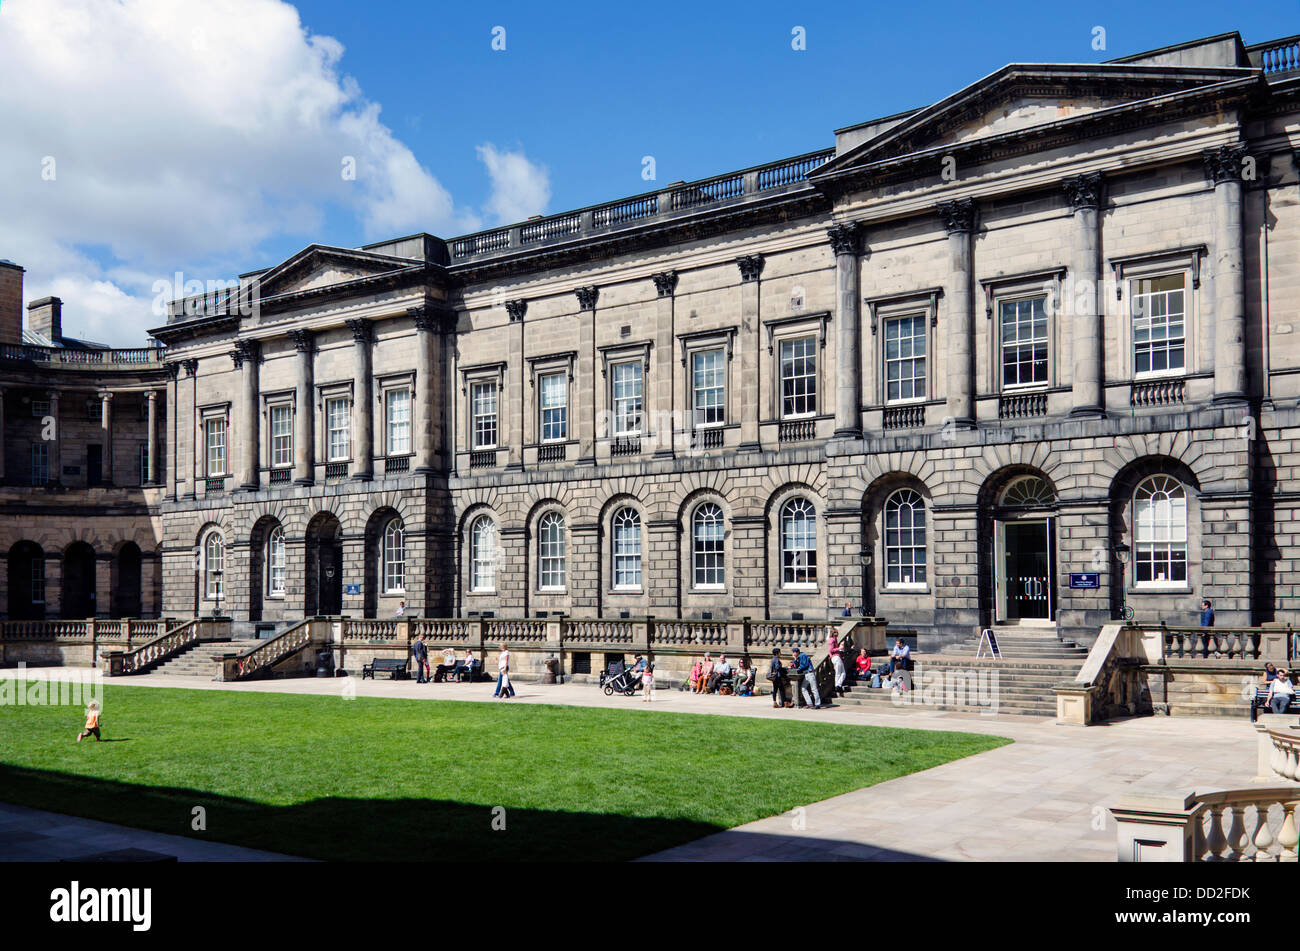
[1260, 703]
[390, 665]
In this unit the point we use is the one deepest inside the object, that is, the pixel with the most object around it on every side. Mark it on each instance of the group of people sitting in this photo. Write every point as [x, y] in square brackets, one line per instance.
[1280, 688]
[451, 666]
[708, 676]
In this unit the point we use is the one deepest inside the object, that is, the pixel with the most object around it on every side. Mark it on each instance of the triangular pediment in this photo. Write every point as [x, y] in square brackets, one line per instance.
[320, 266]
[1020, 97]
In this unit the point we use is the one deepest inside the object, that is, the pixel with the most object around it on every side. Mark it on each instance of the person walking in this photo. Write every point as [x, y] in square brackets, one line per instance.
[504, 690]
[804, 670]
[92, 722]
[837, 659]
[421, 654]
[848, 609]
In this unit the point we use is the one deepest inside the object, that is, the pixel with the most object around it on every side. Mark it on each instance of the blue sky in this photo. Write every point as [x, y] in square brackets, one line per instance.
[205, 137]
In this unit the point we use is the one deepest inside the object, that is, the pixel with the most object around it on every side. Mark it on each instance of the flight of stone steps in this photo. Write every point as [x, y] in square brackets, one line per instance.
[1032, 663]
[201, 659]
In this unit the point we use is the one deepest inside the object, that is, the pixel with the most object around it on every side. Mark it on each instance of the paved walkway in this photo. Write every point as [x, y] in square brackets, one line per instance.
[1041, 798]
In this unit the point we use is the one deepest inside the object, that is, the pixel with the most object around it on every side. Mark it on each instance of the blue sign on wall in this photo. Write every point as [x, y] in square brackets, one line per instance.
[1085, 579]
[352, 589]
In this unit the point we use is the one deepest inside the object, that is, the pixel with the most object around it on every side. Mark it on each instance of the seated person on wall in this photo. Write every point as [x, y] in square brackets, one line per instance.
[1270, 673]
[863, 667]
[901, 657]
[745, 675]
[706, 674]
[1280, 692]
[721, 670]
[697, 673]
[447, 666]
[466, 667]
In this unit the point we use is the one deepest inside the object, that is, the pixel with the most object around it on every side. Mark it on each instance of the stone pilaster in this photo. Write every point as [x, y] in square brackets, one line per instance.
[2, 437]
[515, 392]
[425, 397]
[304, 422]
[845, 240]
[363, 449]
[246, 357]
[56, 454]
[173, 418]
[959, 220]
[1087, 333]
[1223, 166]
[150, 477]
[747, 343]
[665, 405]
[843, 552]
[106, 435]
[191, 462]
[585, 392]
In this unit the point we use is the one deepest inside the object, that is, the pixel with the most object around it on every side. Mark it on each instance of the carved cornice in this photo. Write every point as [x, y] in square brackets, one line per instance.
[191, 367]
[517, 308]
[1224, 163]
[751, 266]
[1083, 191]
[587, 297]
[665, 283]
[845, 239]
[363, 331]
[958, 215]
[435, 317]
[173, 370]
[304, 341]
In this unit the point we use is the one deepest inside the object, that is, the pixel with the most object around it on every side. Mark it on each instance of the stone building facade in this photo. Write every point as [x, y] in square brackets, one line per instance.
[82, 437]
[1023, 356]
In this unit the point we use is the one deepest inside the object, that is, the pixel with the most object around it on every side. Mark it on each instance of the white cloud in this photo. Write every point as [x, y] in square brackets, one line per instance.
[183, 134]
[520, 188]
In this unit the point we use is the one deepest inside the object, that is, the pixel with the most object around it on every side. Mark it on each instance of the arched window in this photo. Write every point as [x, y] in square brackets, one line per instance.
[394, 556]
[214, 565]
[1160, 531]
[275, 562]
[627, 549]
[483, 554]
[550, 552]
[905, 538]
[1028, 490]
[798, 543]
[708, 553]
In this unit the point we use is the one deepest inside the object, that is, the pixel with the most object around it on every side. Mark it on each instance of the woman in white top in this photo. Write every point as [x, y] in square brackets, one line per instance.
[1280, 692]
[504, 690]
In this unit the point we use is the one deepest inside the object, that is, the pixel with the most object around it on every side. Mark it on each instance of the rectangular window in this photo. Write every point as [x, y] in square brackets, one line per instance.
[554, 397]
[40, 463]
[708, 388]
[40, 408]
[1159, 340]
[399, 422]
[799, 377]
[281, 435]
[1024, 342]
[338, 435]
[216, 433]
[627, 398]
[144, 463]
[38, 580]
[905, 359]
[483, 403]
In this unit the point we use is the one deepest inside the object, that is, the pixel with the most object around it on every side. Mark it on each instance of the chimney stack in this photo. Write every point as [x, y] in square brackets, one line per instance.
[45, 316]
[11, 302]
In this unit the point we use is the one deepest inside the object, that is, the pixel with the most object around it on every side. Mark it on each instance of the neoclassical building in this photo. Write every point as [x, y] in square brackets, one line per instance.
[82, 436]
[1024, 356]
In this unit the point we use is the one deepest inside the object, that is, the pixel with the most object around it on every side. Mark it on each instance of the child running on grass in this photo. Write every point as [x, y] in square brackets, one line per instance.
[92, 722]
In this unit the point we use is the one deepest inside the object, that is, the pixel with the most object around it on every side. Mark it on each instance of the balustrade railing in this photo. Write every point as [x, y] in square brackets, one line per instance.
[483, 459]
[155, 650]
[514, 630]
[445, 629]
[601, 630]
[1276, 56]
[1246, 825]
[904, 417]
[1220, 643]
[1022, 405]
[797, 430]
[551, 453]
[262, 657]
[370, 629]
[805, 635]
[136, 358]
[684, 633]
[1157, 392]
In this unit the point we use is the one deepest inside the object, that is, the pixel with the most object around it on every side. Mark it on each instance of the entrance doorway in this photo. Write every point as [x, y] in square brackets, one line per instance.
[1024, 562]
[78, 582]
[324, 562]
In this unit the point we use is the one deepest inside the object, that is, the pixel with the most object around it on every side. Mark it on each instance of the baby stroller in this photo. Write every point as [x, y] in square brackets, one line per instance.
[619, 677]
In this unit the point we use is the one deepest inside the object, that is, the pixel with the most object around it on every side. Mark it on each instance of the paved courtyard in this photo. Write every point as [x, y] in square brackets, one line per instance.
[1041, 798]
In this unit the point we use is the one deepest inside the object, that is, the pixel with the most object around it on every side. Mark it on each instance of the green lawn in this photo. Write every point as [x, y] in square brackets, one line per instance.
[414, 779]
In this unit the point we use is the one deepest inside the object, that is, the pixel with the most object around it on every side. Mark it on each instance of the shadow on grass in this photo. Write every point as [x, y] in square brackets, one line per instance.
[400, 830]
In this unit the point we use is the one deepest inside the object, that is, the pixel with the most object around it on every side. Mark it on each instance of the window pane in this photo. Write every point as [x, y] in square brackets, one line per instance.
[554, 396]
[707, 385]
[483, 402]
[1158, 324]
[627, 394]
[399, 422]
[799, 377]
[707, 546]
[798, 543]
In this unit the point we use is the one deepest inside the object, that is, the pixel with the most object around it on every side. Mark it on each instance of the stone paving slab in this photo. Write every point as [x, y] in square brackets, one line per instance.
[1041, 798]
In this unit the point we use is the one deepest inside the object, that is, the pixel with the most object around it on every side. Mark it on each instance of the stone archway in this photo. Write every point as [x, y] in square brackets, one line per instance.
[78, 582]
[127, 589]
[323, 592]
[26, 582]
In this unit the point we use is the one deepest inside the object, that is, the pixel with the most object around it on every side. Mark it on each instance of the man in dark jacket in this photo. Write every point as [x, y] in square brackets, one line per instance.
[804, 670]
[421, 654]
[776, 674]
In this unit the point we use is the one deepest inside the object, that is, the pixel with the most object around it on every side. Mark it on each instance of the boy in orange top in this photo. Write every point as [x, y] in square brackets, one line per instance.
[92, 722]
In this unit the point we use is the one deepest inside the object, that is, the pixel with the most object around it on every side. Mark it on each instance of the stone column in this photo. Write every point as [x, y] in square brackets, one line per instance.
[56, 456]
[304, 423]
[1087, 332]
[106, 435]
[585, 391]
[1223, 166]
[246, 356]
[192, 463]
[150, 477]
[363, 449]
[513, 409]
[747, 343]
[959, 219]
[848, 353]
[2, 435]
[173, 414]
[666, 421]
[425, 397]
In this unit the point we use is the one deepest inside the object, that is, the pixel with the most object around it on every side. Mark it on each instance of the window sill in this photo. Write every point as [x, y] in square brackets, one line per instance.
[552, 590]
[627, 589]
[482, 591]
[1174, 587]
[799, 588]
[905, 589]
[709, 589]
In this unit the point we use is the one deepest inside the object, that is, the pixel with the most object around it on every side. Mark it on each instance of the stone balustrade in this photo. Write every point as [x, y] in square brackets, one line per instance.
[98, 360]
[1242, 825]
[121, 630]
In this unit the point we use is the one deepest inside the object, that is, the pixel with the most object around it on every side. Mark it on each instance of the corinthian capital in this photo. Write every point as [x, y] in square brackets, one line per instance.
[958, 215]
[845, 239]
[1224, 164]
[362, 330]
[1083, 191]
